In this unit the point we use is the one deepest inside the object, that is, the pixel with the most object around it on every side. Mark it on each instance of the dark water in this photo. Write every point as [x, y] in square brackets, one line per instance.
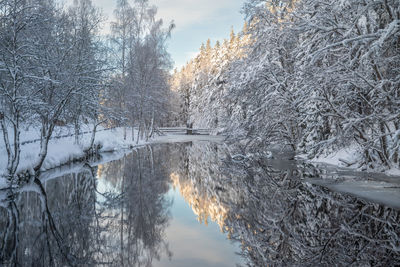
[191, 205]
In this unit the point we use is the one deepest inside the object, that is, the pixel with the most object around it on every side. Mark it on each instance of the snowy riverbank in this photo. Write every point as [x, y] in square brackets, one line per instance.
[63, 150]
[349, 157]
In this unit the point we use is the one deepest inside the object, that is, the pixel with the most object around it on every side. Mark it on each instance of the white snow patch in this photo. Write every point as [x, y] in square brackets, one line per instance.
[3, 182]
[393, 172]
[343, 157]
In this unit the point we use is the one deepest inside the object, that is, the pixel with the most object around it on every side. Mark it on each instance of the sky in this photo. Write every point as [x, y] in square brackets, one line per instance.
[196, 21]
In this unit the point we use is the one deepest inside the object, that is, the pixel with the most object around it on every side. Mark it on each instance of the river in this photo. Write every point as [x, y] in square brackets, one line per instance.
[190, 204]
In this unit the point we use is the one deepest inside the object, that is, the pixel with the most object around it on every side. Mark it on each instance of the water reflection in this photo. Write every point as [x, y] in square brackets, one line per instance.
[118, 213]
[142, 207]
[280, 219]
[204, 207]
[69, 221]
[48, 224]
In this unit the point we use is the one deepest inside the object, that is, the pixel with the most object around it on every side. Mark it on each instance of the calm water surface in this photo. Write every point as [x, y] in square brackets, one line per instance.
[191, 205]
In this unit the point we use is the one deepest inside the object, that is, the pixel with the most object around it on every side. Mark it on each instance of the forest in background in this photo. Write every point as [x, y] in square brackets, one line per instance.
[315, 76]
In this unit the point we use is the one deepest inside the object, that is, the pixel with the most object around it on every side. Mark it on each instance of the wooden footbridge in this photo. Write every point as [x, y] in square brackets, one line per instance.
[182, 131]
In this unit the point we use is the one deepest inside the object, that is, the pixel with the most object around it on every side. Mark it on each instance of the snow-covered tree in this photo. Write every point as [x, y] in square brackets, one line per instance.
[88, 51]
[313, 75]
[144, 64]
[202, 82]
[17, 18]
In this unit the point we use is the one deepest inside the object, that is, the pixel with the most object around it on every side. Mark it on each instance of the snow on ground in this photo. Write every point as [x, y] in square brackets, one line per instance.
[346, 157]
[63, 150]
[339, 158]
[3, 182]
[393, 172]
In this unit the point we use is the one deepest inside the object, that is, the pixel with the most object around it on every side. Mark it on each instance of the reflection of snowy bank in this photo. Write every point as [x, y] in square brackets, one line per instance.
[382, 192]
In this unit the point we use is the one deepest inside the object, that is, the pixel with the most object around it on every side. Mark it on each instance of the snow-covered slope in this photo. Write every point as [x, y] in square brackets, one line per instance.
[63, 150]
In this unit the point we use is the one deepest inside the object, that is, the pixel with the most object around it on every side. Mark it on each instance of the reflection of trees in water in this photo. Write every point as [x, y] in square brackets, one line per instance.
[286, 221]
[50, 223]
[278, 219]
[190, 173]
[203, 206]
[140, 209]
[281, 220]
[144, 211]
[70, 223]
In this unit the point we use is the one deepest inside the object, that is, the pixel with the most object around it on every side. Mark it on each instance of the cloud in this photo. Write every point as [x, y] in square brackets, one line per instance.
[188, 12]
[184, 13]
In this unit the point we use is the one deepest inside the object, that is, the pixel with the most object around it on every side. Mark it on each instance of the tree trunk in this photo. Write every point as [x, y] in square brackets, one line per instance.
[91, 145]
[384, 146]
[17, 145]
[146, 131]
[77, 130]
[152, 125]
[8, 146]
[46, 132]
[44, 142]
[138, 134]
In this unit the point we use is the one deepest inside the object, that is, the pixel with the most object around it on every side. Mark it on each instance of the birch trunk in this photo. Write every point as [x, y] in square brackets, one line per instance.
[77, 130]
[93, 137]
[152, 125]
[44, 143]
[13, 155]
[7, 144]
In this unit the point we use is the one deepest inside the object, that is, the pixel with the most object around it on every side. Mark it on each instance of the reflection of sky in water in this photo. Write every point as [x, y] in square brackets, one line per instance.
[104, 186]
[194, 244]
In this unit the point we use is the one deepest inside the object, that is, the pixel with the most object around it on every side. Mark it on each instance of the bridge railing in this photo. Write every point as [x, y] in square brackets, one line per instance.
[184, 130]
